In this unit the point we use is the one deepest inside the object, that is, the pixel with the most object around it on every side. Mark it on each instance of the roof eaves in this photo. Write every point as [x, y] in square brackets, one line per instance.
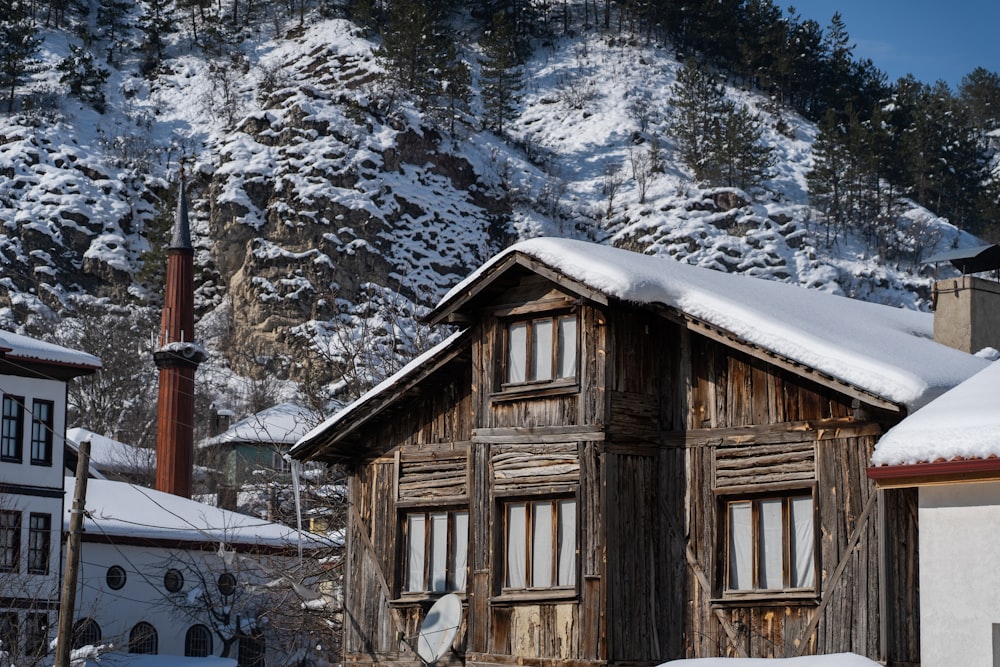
[935, 472]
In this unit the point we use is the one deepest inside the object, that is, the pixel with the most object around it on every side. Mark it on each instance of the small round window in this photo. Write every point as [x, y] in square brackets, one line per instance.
[115, 577]
[227, 583]
[173, 580]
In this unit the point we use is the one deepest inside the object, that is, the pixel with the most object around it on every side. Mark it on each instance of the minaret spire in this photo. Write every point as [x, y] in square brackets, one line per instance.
[177, 358]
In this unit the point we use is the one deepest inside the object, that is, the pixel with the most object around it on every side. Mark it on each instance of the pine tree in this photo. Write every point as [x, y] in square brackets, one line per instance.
[156, 23]
[501, 76]
[456, 88]
[413, 49]
[86, 80]
[980, 94]
[745, 162]
[113, 25]
[19, 41]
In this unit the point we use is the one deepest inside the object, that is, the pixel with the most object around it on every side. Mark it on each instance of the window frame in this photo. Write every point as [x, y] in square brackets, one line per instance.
[198, 641]
[14, 441]
[503, 583]
[86, 632]
[451, 573]
[41, 432]
[143, 636]
[531, 380]
[39, 543]
[13, 549]
[788, 591]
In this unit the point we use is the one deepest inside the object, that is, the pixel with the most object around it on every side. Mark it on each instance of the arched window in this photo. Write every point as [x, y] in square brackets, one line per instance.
[142, 638]
[198, 642]
[86, 632]
[251, 650]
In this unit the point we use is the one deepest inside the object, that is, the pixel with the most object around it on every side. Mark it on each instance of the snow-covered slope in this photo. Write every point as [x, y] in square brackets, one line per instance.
[327, 209]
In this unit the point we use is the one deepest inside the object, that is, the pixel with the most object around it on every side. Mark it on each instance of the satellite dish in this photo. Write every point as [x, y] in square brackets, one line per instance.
[439, 628]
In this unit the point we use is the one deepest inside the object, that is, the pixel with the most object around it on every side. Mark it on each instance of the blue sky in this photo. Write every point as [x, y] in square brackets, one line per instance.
[931, 40]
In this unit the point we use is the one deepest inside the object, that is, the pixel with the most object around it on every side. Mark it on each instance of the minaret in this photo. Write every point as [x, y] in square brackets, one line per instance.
[177, 358]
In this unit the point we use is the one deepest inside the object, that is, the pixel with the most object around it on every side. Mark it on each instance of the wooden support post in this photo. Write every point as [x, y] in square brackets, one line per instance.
[67, 602]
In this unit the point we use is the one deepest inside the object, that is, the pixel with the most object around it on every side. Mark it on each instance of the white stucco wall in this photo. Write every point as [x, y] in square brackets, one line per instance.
[959, 573]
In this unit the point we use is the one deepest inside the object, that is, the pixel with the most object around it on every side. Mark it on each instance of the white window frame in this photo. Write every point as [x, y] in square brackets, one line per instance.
[770, 544]
[540, 544]
[436, 550]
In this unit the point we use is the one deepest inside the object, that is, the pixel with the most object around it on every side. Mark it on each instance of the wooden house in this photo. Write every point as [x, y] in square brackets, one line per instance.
[621, 459]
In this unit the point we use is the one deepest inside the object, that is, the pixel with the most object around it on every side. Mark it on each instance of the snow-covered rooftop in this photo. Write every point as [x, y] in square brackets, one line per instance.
[24, 348]
[964, 423]
[883, 350]
[126, 510]
[284, 423]
[832, 660]
[110, 455]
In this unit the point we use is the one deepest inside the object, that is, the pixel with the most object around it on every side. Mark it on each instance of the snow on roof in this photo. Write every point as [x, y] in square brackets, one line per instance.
[110, 455]
[136, 660]
[832, 660]
[25, 348]
[400, 375]
[883, 350]
[126, 510]
[284, 423]
[963, 423]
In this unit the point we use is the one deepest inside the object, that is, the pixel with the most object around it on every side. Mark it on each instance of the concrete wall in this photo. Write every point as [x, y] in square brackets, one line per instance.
[959, 574]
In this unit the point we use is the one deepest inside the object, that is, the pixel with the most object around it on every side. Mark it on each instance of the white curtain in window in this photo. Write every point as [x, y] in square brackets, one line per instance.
[439, 552]
[517, 549]
[803, 539]
[567, 543]
[541, 350]
[567, 347]
[772, 550]
[415, 552]
[517, 352]
[740, 546]
[541, 545]
[460, 550]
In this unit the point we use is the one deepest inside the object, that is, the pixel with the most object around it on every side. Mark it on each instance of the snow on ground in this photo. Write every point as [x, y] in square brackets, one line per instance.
[833, 660]
[961, 424]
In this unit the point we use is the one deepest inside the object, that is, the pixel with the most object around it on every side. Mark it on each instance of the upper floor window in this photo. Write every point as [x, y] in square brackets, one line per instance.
[541, 349]
[540, 544]
[12, 428]
[10, 540]
[770, 544]
[41, 432]
[437, 546]
[39, 542]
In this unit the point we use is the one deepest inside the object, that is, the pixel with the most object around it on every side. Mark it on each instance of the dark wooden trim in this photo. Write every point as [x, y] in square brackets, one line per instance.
[199, 545]
[485, 659]
[937, 472]
[35, 491]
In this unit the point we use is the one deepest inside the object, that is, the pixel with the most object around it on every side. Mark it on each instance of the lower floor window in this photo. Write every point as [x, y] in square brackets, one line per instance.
[437, 546]
[540, 544]
[142, 638]
[770, 544]
[198, 642]
[36, 634]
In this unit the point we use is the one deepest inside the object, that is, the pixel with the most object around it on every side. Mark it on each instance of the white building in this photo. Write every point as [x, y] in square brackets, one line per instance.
[33, 377]
[162, 574]
[950, 451]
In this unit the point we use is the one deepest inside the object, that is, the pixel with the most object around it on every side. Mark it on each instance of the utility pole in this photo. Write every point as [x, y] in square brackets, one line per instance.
[67, 602]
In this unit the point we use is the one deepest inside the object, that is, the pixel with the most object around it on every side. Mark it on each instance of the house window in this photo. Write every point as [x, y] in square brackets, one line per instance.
[770, 544]
[8, 633]
[226, 583]
[540, 544]
[198, 642]
[115, 577]
[250, 651]
[173, 580]
[437, 547]
[541, 349]
[86, 632]
[39, 541]
[142, 638]
[12, 429]
[10, 540]
[41, 433]
[36, 634]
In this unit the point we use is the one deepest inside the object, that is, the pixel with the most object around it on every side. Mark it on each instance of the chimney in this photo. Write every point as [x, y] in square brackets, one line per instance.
[177, 358]
[967, 313]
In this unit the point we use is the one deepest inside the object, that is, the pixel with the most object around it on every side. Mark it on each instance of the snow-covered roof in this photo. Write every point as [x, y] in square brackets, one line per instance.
[885, 351]
[24, 348]
[400, 377]
[137, 660]
[110, 455]
[963, 423]
[284, 423]
[831, 660]
[126, 510]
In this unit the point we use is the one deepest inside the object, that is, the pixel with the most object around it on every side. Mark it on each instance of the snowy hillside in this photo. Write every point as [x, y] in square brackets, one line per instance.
[328, 210]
